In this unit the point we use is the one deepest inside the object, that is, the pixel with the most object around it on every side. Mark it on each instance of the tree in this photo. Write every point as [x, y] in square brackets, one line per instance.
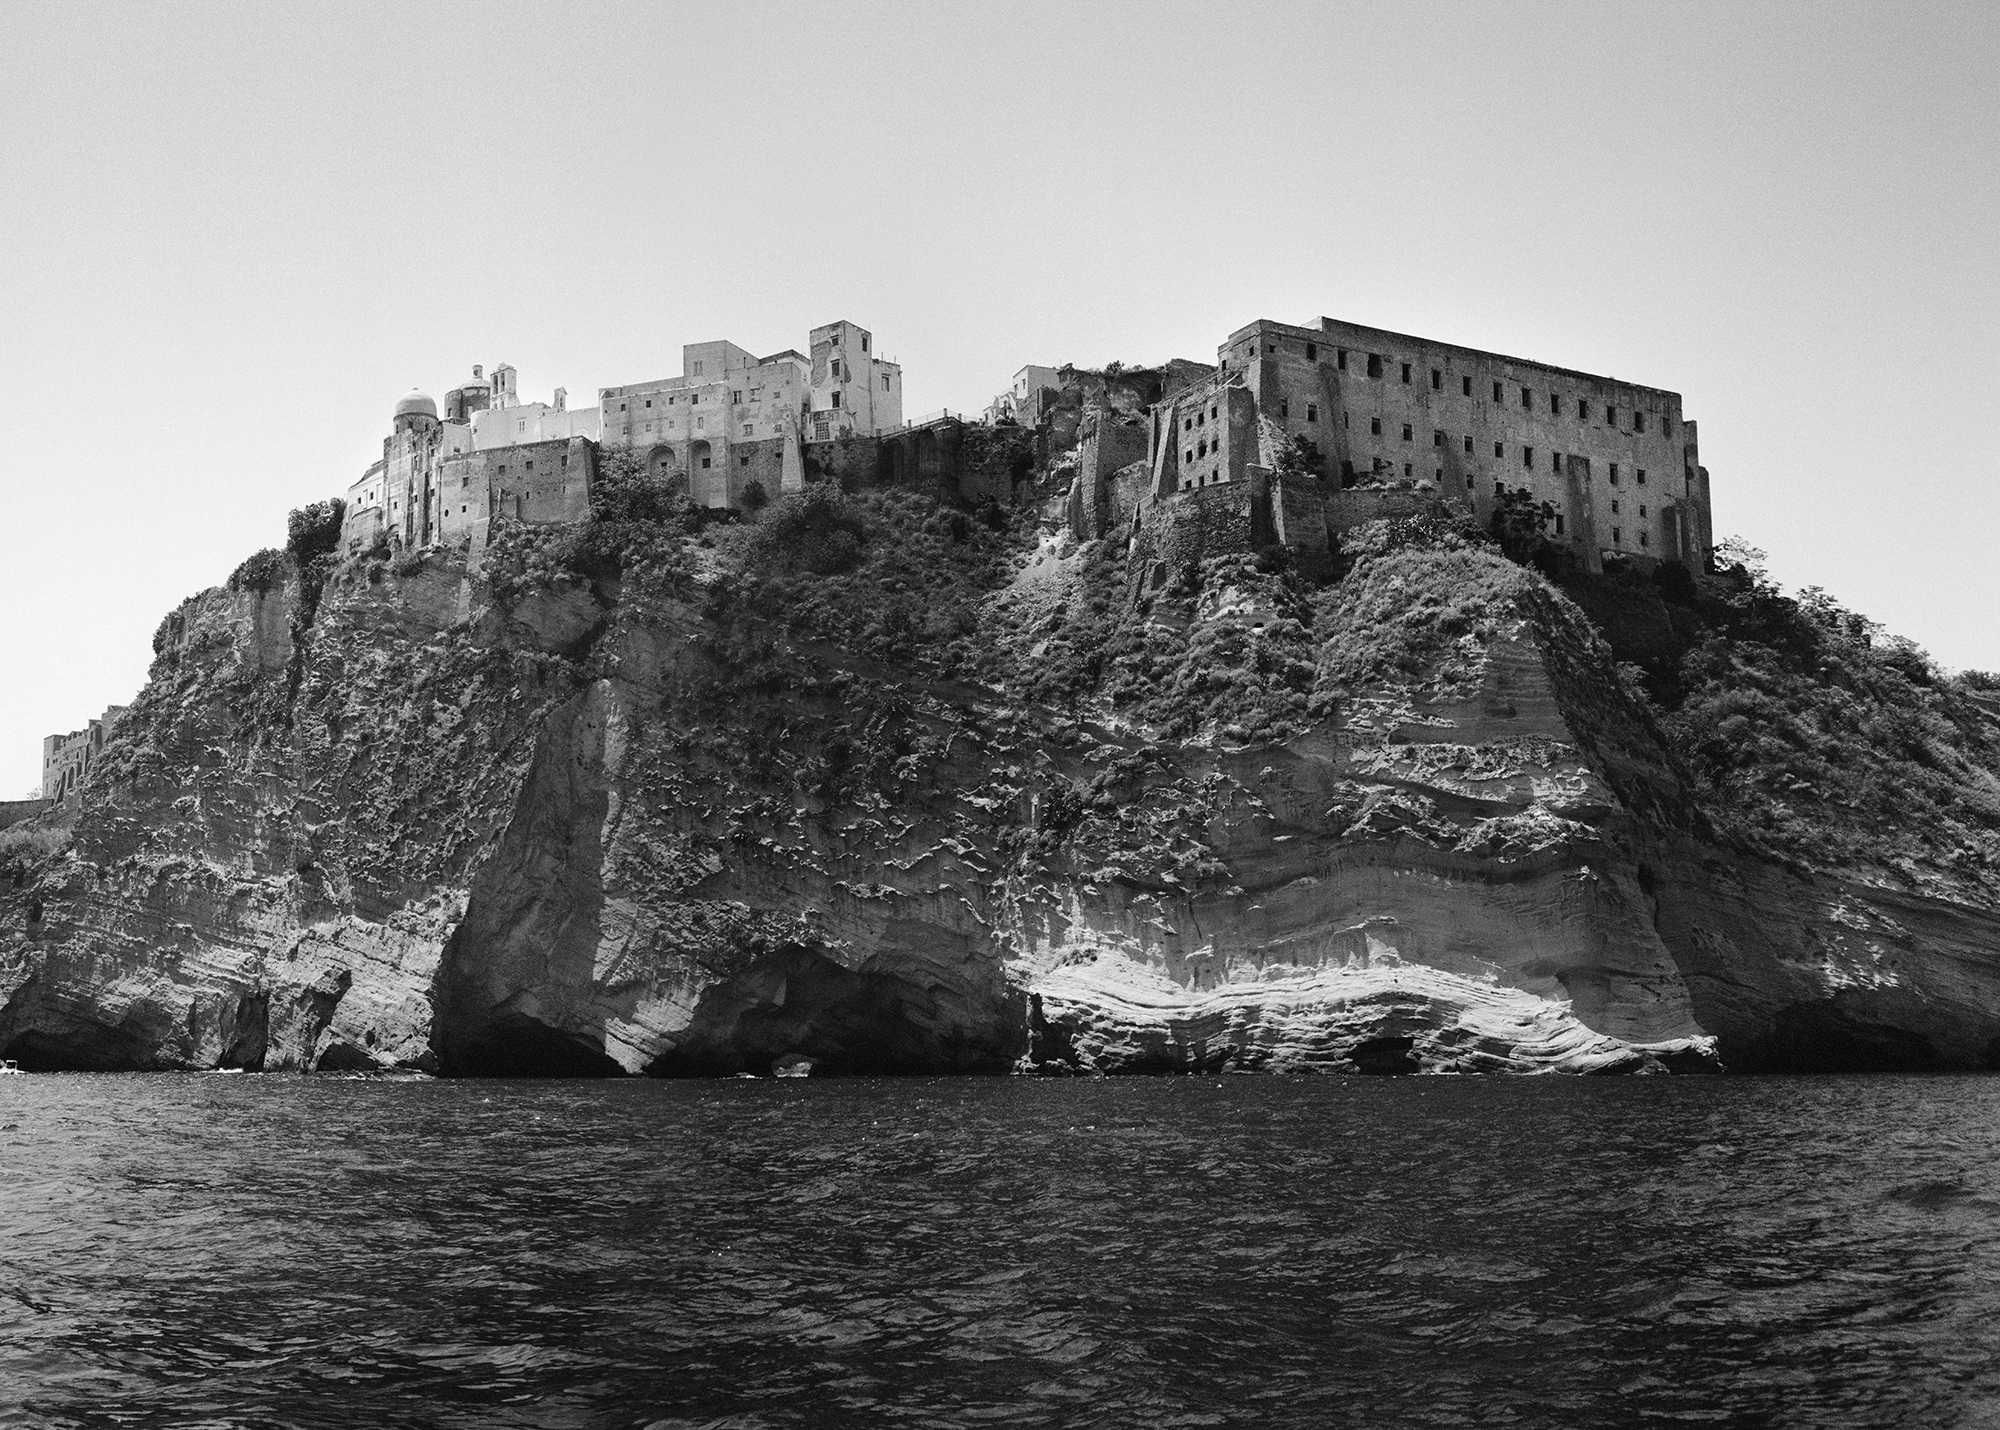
[1300, 458]
[755, 498]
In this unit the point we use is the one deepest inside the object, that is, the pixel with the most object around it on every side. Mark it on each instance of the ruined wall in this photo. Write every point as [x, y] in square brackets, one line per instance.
[13, 811]
[1176, 534]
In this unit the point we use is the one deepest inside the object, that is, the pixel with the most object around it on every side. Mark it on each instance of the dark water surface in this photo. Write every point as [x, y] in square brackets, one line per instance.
[280, 1251]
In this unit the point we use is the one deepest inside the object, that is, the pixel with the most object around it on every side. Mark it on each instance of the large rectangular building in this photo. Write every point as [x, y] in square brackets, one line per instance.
[1613, 465]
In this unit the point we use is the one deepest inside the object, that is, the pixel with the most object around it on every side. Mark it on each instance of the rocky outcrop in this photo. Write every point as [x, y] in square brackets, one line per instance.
[586, 825]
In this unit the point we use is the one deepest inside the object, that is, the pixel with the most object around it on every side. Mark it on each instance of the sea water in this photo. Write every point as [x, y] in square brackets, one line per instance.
[224, 1251]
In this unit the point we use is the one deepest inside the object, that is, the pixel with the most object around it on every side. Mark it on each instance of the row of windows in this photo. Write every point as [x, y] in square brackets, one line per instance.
[1555, 399]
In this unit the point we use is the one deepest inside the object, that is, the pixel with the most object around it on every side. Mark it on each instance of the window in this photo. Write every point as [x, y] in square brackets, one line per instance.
[1614, 474]
[1374, 365]
[1527, 398]
[1499, 449]
[1201, 419]
[1499, 489]
[1440, 474]
[1638, 421]
[1465, 387]
[1190, 456]
[742, 461]
[1284, 410]
[1610, 415]
[1437, 380]
[1437, 439]
[1406, 431]
[1617, 537]
[1582, 410]
[704, 463]
[1406, 372]
[1666, 427]
[1555, 461]
[1340, 358]
[1468, 446]
[836, 399]
[1640, 476]
[1375, 426]
[1528, 457]
[885, 382]
[746, 432]
[694, 399]
[1409, 469]
[864, 345]
[1555, 405]
[1187, 424]
[697, 370]
[649, 402]
[736, 397]
[1312, 412]
[1614, 508]
[1559, 525]
[1644, 539]
[1468, 481]
[1312, 353]
[1496, 392]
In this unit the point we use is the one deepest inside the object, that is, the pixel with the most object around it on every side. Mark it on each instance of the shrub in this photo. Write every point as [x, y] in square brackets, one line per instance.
[755, 498]
[314, 530]
[407, 563]
[260, 573]
[818, 531]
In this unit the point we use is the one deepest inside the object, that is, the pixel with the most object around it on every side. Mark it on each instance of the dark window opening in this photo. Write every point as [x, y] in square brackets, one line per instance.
[1555, 405]
[1375, 426]
[1312, 412]
[1559, 526]
[1614, 474]
[1340, 358]
[1499, 449]
[1465, 386]
[1527, 398]
[1406, 372]
[1312, 353]
[1437, 380]
[1284, 410]
[1638, 421]
[1468, 445]
[1644, 540]
[1617, 537]
[1496, 392]
[1437, 439]
[1374, 365]
[1528, 457]
[1555, 461]
[1610, 415]
[1641, 476]
[1406, 431]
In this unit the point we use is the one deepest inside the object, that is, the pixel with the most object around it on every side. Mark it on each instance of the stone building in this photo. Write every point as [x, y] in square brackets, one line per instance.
[1614, 466]
[732, 418]
[67, 759]
[445, 479]
[1022, 401]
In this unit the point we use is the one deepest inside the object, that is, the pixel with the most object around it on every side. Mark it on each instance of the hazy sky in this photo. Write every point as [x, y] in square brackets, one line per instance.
[232, 236]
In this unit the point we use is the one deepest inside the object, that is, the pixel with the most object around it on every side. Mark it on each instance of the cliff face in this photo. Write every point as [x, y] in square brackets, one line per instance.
[893, 791]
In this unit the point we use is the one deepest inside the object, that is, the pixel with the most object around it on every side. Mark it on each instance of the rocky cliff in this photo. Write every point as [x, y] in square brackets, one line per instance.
[885, 786]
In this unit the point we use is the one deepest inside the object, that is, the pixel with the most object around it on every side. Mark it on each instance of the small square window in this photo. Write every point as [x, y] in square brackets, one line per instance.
[704, 463]
[1409, 469]
[1468, 446]
[1437, 439]
[1499, 449]
[1640, 476]
[1374, 364]
[1312, 353]
[1644, 539]
[1406, 432]
[1375, 426]
[1638, 421]
[1312, 412]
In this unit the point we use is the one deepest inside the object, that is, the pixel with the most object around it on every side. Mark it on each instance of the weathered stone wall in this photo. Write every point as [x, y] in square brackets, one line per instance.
[13, 811]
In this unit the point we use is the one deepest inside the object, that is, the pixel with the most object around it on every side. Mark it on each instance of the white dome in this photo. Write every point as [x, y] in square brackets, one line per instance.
[417, 404]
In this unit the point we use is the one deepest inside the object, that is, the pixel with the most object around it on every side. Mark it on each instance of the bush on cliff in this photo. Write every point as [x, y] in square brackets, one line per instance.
[265, 571]
[818, 531]
[314, 530]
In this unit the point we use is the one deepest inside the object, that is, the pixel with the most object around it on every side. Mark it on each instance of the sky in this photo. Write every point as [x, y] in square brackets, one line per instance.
[231, 236]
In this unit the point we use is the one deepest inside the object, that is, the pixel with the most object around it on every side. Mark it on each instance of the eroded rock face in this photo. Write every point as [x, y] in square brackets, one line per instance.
[570, 835]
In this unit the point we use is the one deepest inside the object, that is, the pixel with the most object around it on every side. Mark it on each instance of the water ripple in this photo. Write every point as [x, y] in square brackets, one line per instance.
[292, 1252]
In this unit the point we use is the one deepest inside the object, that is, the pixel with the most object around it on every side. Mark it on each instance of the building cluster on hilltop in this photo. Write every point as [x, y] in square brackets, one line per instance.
[1293, 435]
[730, 419]
[1319, 428]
